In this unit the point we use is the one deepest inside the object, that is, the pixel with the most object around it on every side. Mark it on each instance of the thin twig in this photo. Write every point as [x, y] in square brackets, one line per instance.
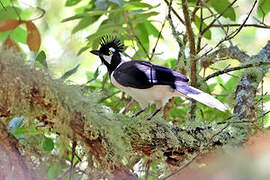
[197, 7]
[235, 69]
[177, 36]
[175, 13]
[233, 34]
[181, 168]
[159, 35]
[3, 6]
[200, 32]
[147, 167]
[17, 13]
[40, 16]
[74, 144]
[216, 18]
[264, 26]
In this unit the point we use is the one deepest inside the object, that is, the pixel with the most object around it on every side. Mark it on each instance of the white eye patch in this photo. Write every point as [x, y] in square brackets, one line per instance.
[108, 58]
[112, 49]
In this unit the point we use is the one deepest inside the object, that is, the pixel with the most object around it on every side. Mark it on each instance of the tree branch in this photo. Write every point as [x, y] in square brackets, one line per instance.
[232, 52]
[192, 50]
[244, 66]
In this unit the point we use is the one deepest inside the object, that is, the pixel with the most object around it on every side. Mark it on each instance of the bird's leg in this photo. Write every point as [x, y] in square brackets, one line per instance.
[154, 113]
[137, 113]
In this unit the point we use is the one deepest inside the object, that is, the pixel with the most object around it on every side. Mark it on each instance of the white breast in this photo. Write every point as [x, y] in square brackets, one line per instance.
[158, 94]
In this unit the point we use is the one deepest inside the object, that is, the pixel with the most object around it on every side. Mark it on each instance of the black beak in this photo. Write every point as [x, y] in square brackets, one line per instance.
[96, 52]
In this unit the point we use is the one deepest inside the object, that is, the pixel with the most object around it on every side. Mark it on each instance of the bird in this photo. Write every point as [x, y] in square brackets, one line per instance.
[145, 82]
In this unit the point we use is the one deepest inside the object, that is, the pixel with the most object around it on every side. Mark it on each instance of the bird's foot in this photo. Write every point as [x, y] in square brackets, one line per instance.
[137, 113]
[154, 113]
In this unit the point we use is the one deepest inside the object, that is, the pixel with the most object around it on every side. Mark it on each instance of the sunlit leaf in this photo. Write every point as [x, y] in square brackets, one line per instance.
[33, 36]
[142, 17]
[266, 98]
[19, 35]
[151, 29]
[172, 62]
[70, 72]
[85, 22]
[82, 50]
[15, 123]
[9, 24]
[90, 14]
[143, 36]
[220, 6]
[10, 12]
[263, 8]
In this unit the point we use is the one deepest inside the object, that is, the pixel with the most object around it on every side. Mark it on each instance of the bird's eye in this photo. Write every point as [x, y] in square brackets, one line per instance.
[110, 52]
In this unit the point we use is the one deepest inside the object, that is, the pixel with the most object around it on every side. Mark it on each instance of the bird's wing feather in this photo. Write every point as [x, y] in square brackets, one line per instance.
[141, 75]
[130, 74]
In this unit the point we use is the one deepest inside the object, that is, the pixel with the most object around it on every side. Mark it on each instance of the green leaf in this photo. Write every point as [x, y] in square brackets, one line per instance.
[172, 62]
[143, 36]
[48, 144]
[142, 17]
[15, 123]
[131, 6]
[220, 6]
[212, 86]
[207, 34]
[232, 82]
[72, 2]
[41, 58]
[82, 50]
[263, 8]
[85, 22]
[266, 98]
[151, 29]
[10, 13]
[70, 72]
[19, 35]
[90, 14]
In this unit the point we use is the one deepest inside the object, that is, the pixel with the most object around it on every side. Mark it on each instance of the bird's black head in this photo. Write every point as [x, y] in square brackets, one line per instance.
[109, 52]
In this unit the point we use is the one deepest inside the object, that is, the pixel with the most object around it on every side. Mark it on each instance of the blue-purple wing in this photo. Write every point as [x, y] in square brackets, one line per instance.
[141, 74]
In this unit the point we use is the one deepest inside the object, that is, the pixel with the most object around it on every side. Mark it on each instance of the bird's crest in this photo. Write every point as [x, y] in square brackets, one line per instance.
[111, 41]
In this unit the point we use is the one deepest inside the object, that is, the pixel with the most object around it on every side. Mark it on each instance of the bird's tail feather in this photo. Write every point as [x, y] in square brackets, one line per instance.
[201, 96]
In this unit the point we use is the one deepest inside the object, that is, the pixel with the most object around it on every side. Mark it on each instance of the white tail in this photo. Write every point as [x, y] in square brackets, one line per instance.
[201, 96]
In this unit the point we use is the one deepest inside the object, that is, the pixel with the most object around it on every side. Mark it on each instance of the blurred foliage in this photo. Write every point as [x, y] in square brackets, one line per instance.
[132, 21]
